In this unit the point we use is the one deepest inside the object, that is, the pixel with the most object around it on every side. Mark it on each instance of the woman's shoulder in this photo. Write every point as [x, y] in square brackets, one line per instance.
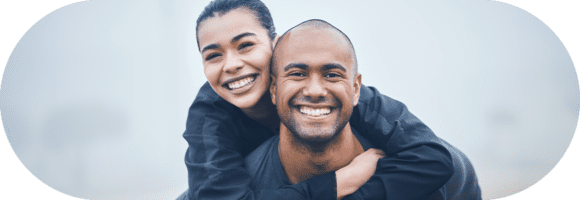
[372, 102]
[208, 105]
[207, 94]
[371, 95]
[208, 101]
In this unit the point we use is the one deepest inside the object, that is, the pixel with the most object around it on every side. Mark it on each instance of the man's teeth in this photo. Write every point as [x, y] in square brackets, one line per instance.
[240, 83]
[315, 112]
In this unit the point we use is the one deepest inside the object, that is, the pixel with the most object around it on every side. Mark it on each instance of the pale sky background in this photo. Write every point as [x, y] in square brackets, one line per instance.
[95, 95]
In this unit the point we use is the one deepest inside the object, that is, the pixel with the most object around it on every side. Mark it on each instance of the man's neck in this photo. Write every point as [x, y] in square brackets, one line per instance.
[301, 163]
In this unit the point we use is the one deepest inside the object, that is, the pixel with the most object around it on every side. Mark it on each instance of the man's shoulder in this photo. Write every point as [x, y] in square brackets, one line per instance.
[259, 160]
[265, 150]
[264, 166]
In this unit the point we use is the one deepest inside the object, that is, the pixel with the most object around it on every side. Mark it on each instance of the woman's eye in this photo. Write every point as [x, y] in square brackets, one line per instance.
[211, 56]
[245, 45]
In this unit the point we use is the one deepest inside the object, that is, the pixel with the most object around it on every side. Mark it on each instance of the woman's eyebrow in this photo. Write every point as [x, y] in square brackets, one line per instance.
[211, 46]
[240, 36]
[234, 40]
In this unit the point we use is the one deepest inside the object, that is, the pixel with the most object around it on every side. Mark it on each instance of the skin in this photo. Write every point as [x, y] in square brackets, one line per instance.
[226, 60]
[234, 48]
[316, 75]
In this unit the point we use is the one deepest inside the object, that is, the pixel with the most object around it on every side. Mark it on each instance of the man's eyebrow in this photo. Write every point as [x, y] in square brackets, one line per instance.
[240, 36]
[330, 66]
[295, 65]
[211, 46]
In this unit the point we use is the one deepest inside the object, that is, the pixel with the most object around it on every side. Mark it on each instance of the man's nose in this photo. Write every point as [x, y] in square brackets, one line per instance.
[233, 63]
[315, 89]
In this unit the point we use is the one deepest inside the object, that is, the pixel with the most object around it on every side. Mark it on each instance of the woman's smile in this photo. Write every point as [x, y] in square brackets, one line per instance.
[241, 84]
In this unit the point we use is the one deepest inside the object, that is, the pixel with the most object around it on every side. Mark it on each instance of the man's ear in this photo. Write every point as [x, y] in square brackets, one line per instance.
[275, 41]
[273, 88]
[357, 85]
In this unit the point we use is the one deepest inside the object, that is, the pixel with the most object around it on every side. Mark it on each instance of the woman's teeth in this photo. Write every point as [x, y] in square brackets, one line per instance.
[315, 112]
[241, 83]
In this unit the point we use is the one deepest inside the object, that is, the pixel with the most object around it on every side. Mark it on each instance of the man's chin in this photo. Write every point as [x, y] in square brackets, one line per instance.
[316, 138]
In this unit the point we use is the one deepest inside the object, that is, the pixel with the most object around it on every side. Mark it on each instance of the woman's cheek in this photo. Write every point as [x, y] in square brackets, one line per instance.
[262, 59]
[258, 58]
[211, 74]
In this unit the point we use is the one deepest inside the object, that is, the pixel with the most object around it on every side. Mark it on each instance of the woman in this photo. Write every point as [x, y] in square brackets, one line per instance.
[233, 114]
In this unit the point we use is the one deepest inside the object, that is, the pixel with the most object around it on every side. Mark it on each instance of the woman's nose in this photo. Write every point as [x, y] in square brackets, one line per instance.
[233, 64]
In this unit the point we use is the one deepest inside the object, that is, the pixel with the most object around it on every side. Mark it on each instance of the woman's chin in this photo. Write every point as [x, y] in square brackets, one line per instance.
[244, 104]
[245, 101]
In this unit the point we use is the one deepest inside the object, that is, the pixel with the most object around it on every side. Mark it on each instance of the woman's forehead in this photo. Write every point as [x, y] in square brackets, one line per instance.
[224, 27]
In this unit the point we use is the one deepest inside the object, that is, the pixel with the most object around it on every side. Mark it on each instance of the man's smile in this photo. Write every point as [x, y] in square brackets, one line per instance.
[311, 111]
[306, 110]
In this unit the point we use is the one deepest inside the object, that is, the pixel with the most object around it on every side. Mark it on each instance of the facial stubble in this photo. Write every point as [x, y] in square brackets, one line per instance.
[314, 140]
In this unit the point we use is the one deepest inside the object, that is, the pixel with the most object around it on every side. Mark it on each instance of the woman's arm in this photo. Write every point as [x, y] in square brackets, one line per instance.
[218, 139]
[416, 163]
[351, 177]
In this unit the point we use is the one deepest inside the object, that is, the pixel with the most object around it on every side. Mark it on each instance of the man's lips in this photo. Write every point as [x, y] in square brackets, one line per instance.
[314, 109]
[240, 81]
[318, 111]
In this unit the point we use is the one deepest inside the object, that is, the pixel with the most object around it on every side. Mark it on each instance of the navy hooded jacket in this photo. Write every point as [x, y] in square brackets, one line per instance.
[220, 135]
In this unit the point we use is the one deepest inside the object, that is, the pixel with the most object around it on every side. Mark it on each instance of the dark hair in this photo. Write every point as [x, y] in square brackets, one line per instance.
[315, 23]
[222, 7]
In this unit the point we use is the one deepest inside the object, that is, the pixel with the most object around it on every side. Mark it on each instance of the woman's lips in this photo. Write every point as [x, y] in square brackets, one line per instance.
[239, 82]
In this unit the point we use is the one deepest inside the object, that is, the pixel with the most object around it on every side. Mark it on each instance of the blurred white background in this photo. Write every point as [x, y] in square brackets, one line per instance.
[94, 96]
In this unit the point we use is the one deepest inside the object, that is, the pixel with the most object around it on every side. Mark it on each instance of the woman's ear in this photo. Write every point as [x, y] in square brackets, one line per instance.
[273, 89]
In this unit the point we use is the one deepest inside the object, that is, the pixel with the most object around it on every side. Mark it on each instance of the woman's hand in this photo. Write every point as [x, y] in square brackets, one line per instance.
[351, 177]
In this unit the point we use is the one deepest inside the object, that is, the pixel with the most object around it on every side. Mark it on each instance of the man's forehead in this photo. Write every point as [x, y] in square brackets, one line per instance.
[315, 41]
[312, 36]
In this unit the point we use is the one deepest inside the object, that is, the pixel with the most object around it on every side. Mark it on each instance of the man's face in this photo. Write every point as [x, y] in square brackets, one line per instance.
[315, 87]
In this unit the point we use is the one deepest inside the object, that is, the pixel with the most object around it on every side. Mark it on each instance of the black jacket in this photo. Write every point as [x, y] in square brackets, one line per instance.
[220, 135]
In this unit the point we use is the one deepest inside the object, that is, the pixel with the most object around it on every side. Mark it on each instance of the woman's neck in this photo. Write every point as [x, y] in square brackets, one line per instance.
[264, 112]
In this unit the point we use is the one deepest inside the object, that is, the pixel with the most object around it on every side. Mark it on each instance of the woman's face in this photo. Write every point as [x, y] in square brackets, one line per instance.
[236, 53]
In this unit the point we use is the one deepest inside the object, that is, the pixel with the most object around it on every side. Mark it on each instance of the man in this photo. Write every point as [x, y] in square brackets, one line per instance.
[315, 85]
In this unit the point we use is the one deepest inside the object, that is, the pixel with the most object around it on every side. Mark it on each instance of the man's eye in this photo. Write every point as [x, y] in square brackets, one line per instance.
[332, 75]
[298, 74]
[245, 45]
[212, 56]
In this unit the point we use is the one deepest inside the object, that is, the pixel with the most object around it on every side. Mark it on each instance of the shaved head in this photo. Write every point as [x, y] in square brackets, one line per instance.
[314, 25]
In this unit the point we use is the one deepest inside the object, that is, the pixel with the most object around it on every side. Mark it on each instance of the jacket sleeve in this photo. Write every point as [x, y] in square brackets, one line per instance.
[214, 158]
[416, 163]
